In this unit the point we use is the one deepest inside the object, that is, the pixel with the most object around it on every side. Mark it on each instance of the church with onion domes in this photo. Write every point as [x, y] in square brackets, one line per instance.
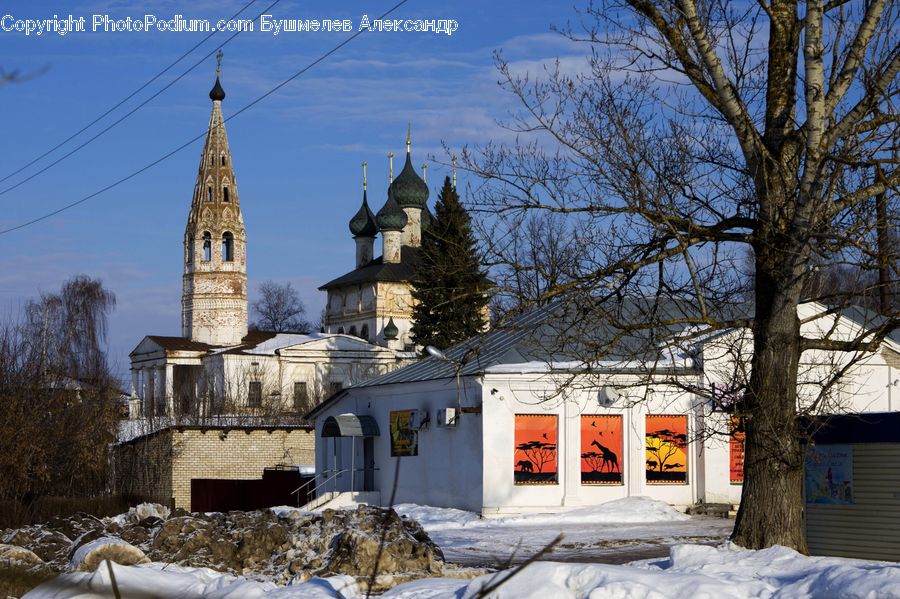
[217, 366]
[374, 300]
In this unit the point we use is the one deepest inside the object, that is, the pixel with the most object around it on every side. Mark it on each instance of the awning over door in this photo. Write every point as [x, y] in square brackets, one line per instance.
[350, 425]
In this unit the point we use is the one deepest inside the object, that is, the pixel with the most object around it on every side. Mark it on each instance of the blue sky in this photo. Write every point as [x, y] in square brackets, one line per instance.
[297, 154]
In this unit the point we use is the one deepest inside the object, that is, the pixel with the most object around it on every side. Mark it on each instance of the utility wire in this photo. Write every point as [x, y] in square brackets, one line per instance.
[189, 142]
[125, 99]
[133, 110]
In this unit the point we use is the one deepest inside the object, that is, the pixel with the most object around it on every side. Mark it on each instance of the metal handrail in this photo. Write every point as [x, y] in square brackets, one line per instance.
[304, 485]
[316, 488]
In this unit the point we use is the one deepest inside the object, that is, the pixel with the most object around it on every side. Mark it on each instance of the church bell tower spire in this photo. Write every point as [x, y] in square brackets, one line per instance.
[214, 296]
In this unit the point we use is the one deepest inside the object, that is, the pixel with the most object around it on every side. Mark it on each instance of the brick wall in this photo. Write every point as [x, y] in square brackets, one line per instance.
[144, 467]
[161, 466]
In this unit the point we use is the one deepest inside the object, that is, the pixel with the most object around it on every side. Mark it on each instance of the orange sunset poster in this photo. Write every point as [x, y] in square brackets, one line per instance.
[535, 449]
[736, 451]
[666, 446]
[601, 450]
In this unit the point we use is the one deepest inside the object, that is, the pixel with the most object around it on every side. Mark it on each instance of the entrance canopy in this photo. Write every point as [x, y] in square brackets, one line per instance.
[350, 425]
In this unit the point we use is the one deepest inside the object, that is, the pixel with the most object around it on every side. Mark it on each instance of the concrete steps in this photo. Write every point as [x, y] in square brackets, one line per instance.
[718, 510]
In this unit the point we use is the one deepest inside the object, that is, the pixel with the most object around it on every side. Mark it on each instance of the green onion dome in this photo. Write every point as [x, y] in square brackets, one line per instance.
[391, 216]
[409, 188]
[363, 223]
[390, 330]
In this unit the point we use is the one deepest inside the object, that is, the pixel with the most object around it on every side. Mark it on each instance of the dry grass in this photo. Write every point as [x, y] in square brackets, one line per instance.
[14, 514]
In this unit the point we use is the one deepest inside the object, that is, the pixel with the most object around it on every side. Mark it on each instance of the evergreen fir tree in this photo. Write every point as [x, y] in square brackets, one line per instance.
[450, 288]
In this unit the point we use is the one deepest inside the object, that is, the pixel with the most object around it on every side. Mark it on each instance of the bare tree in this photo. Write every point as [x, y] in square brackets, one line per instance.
[279, 309]
[696, 130]
[59, 405]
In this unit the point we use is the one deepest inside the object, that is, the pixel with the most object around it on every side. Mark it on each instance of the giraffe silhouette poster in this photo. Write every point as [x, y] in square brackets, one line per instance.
[666, 449]
[601, 450]
[535, 450]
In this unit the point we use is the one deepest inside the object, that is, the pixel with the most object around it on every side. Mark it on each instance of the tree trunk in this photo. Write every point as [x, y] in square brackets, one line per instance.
[772, 508]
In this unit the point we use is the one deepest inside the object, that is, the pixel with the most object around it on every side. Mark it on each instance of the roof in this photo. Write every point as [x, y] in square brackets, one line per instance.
[127, 437]
[273, 343]
[869, 427]
[530, 342]
[376, 270]
[533, 337]
[178, 343]
[168, 343]
[870, 319]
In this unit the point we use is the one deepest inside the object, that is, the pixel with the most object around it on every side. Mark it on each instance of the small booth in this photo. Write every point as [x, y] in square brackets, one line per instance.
[852, 486]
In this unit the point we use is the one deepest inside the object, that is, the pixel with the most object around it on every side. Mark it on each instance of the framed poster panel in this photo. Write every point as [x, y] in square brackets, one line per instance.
[534, 458]
[666, 449]
[404, 439]
[736, 451]
[601, 450]
[828, 474]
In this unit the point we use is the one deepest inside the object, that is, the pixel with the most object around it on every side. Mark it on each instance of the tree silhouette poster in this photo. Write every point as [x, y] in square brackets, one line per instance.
[666, 449]
[404, 440]
[736, 451]
[601, 450]
[534, 459]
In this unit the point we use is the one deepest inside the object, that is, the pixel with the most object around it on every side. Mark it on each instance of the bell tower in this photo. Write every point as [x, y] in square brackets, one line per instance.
[214, 296]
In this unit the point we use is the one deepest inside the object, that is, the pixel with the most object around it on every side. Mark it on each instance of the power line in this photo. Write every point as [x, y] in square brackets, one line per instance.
[189, 142]
[125, 99]
[133, 110]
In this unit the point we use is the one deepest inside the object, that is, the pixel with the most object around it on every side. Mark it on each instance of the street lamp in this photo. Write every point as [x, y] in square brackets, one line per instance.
[432, 350]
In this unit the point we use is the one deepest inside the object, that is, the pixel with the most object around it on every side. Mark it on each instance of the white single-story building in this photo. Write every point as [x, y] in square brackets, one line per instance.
[501, 424]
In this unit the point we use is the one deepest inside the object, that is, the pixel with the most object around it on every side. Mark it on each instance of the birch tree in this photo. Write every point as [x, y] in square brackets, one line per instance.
[699, 129]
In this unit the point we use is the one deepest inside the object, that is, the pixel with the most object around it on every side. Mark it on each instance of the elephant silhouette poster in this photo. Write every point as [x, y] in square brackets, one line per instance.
[736, 451]
[404, 440]
[666, 449]
[534, 458]
[601, 450]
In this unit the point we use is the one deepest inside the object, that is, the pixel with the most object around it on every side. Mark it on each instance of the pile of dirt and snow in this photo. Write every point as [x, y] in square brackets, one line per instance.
[275, 546]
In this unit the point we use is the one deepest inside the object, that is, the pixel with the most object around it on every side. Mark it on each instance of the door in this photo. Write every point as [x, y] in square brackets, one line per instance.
[368, 463]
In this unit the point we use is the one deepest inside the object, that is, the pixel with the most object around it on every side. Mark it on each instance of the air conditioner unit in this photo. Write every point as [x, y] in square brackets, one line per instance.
[446, 417]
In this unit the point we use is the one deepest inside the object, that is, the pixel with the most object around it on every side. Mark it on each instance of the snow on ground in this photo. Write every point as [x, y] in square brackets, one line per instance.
[593, 534]
[617, 531]
[169, 582]
[695, 571]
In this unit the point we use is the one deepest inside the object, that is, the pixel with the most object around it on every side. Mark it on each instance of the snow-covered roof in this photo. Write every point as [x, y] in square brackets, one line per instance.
[282, 340]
